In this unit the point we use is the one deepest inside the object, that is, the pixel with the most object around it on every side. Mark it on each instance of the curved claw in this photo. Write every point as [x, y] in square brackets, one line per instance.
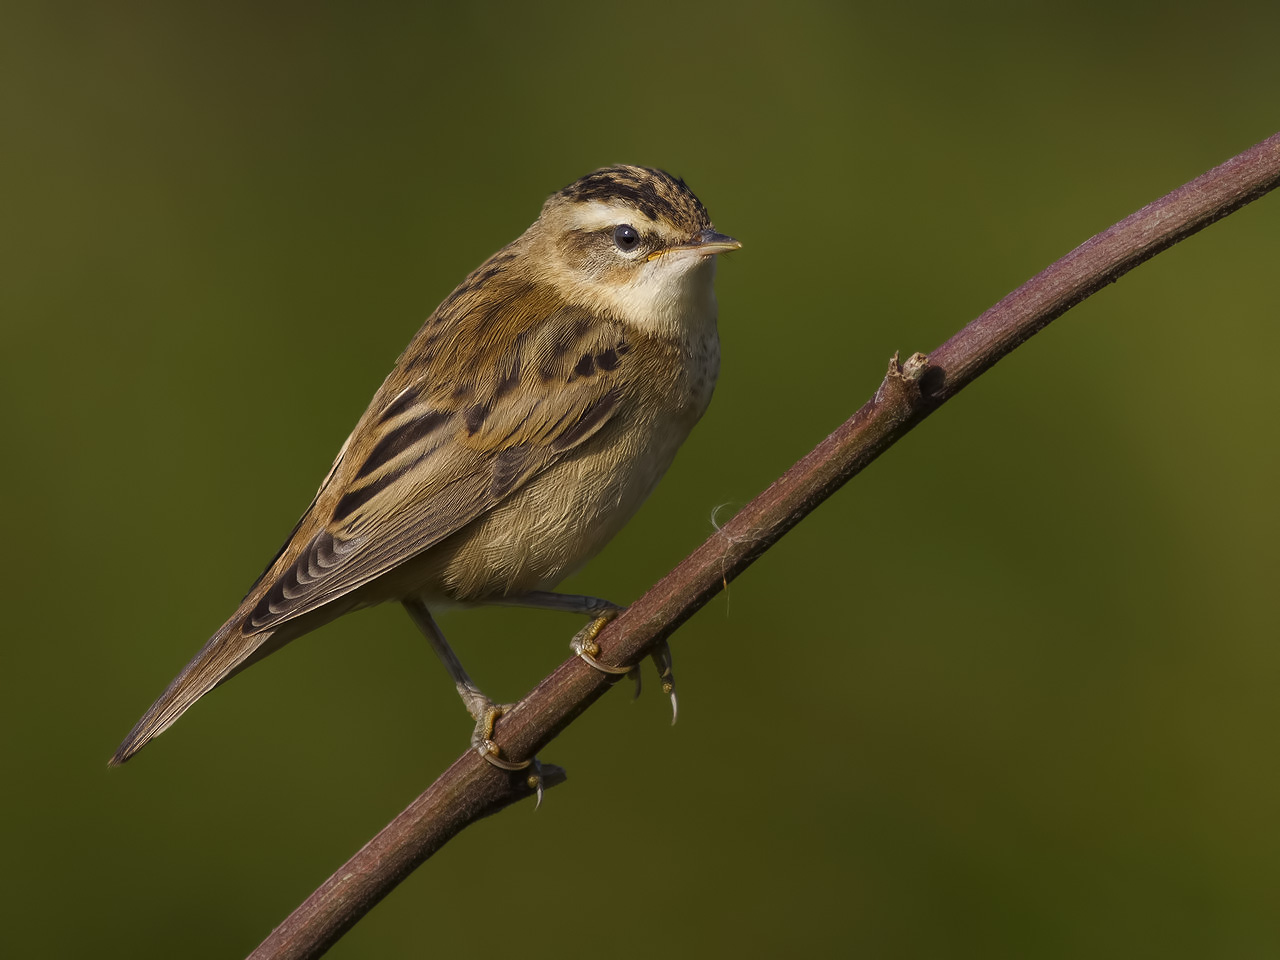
[535, 781]
[585, 646]
[489, 750]
[589, 656]
[482, 740]
[661, 657]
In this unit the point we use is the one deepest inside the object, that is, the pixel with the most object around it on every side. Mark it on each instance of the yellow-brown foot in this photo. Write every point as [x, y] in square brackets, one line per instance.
[482, 740]
[585, 646]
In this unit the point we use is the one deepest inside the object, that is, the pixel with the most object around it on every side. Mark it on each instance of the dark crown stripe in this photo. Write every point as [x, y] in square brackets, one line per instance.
[655, 193]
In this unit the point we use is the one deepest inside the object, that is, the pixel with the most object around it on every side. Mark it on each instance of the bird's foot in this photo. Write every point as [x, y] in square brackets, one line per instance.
[585, 646]
[483, 743]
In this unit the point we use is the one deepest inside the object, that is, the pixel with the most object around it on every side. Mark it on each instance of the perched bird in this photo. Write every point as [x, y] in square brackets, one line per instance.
[524, 424]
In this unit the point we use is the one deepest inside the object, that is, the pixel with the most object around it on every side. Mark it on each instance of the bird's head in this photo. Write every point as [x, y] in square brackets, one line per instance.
[633, 243]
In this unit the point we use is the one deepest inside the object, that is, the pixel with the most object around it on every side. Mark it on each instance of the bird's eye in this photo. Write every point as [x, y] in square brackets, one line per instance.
[626, 237]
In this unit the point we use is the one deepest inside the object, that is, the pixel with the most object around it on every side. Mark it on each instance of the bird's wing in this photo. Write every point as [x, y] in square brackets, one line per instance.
[470, 413]
[429, 457]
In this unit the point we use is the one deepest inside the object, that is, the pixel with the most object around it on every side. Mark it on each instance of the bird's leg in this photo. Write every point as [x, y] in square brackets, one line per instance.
[483, 710]
[584, 641]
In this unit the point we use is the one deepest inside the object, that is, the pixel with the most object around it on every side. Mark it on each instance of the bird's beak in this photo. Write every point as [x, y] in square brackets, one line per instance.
[705, 243]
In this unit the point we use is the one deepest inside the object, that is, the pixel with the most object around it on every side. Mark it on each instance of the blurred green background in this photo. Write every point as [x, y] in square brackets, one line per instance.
[1012, 693]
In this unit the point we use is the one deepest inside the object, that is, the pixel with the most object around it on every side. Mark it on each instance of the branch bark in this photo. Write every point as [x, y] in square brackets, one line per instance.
[472, 788]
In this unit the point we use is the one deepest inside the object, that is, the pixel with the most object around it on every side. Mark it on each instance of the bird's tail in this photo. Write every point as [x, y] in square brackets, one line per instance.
[228, 652]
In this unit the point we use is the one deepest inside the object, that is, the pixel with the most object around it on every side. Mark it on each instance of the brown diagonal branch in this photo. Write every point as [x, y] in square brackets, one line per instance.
[471, 788]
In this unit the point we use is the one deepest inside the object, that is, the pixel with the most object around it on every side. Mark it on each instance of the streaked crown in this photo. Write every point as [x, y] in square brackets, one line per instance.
[658, 195]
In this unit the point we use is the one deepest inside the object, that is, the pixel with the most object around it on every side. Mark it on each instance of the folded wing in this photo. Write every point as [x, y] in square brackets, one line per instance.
[460, 424]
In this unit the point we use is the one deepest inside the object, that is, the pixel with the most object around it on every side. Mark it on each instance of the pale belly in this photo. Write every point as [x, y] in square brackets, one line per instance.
[545, 530]
[557, 522]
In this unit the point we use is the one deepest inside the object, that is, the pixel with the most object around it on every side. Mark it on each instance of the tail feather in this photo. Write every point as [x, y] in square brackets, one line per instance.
[227, 653]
